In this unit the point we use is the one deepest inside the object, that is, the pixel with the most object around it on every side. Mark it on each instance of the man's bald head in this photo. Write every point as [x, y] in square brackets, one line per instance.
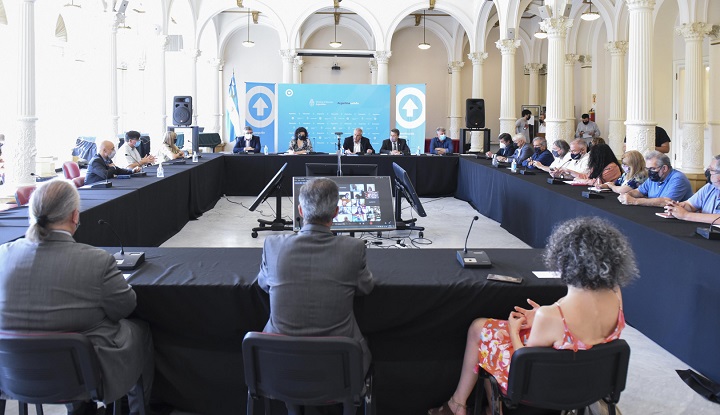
[106, 147]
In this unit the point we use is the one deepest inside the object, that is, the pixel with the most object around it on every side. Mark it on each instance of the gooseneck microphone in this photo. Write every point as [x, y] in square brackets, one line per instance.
[124, 261]
[474, 259]
[708, 232]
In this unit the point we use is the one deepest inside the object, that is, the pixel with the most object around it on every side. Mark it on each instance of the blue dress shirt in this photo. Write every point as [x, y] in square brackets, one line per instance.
[707, 199]
[675, 187]
[546, 158]
[446, 144]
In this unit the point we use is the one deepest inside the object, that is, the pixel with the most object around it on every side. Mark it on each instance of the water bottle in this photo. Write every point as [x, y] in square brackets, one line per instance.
[513, 166]
[265, 150]
[160, 171]
[195, 158]
[417, 151]
[494, 160]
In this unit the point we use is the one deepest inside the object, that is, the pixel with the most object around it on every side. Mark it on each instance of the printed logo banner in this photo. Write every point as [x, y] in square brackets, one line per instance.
[260, 112]
[410, 114]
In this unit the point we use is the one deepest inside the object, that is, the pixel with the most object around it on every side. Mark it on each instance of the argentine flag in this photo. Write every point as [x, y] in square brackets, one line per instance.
[232, 117]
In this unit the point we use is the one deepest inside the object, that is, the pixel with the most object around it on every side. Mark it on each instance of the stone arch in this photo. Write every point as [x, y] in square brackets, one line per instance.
[454, 12]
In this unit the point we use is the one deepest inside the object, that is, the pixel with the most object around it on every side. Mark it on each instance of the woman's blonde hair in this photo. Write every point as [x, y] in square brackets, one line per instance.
[169, 140]
[52, 202]
[635, 160]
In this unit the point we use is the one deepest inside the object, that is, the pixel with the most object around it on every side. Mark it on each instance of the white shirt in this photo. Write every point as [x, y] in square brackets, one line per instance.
[560, 161]
[356, 147]
[130, 155]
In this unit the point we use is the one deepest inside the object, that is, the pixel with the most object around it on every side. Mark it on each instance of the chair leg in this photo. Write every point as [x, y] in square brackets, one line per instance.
[611, 409]
[250, 409]
[369, 399]
[2, 406]
[117, 407]
[293, 409]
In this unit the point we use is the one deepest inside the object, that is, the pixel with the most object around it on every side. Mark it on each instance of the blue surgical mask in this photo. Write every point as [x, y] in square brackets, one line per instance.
[626, 168]
[137, 144]
[575, 156]
[441, 137]
[555, 154]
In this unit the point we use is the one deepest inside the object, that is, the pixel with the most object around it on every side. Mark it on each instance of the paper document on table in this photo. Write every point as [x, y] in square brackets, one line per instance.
[598, 189]
[547, 274]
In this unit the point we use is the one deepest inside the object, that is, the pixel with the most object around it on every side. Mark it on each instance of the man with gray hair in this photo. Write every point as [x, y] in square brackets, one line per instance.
[666, 185]
[357, 143]
[523, 151]
[441, 144]
[313, 276]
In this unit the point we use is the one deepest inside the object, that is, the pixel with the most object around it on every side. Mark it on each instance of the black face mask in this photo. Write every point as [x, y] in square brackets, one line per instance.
[301, 137]
[575, 156]
[707, 175]
[586, 122]
[538, 150]
[654, 175]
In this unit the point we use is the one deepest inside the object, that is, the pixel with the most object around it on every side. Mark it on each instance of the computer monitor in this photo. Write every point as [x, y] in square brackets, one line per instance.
[267, 191]
[330, 169]
[404, 185]
[365, 204]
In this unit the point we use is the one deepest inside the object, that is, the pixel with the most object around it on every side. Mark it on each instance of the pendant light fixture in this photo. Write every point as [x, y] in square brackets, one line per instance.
[336, 19]
[589, 15]
[424, 45]
[541, 34]
[248, 43]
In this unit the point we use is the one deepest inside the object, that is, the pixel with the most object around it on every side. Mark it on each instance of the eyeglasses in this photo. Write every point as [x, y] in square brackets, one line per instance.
[653, 169]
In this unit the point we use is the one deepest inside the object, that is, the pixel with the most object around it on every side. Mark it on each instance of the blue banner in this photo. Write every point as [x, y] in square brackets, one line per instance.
[327, 109]
[260, 113]
[410, 114]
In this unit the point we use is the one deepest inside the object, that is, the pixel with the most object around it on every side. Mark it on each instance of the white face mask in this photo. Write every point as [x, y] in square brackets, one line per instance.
[502, 145]
[248, 136]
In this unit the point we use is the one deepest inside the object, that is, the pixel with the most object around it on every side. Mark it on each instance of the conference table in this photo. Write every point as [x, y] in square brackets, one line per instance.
[200, 303]
[675, 300]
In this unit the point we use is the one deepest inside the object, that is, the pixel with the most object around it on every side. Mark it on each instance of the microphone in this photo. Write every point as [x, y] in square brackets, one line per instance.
[124, 261]
[709, 233]
[474, 259]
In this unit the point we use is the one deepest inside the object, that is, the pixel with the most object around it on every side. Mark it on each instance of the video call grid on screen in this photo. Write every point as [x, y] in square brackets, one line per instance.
[365, 203]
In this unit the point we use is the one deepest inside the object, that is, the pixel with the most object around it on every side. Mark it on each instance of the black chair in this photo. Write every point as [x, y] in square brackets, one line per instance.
[50, 368]
[306, 371]
[561, 380]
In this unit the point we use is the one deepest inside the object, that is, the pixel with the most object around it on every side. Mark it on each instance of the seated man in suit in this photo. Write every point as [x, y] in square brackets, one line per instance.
[313, 276]
[664, 185]
[441, 144]
[540, 155]
[395, 145]
[101, 166]
[131, 154]
[247, 143]
[507, 147]
[50, 283]
[523, 151]
[357, 144]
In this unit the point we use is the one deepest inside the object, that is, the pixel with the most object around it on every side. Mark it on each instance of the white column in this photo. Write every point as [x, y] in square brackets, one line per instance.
[534, 90]
[216, 64]
[616, 119]
[477, 59]
[373, 71]
[114, 19]
[713, 146]
[382, 57]
[455, 112]
[555, 120]
[156, 139]
[19, 152]
[693, 122]
[193, 55]
[586, 83]
[288, 58]
[640, 95]
[298, 63]
[570, 60]
[508, 112]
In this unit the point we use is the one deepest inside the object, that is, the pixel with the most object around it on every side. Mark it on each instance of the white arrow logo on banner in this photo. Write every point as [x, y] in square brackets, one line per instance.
[260, 107]
[409, 108]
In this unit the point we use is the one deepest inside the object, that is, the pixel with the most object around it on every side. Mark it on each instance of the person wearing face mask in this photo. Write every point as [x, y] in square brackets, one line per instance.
[603, 166]
[634, 173]
[168, 149]
[561, 154]
[507, 147]
[542, 127]
[441, 144]
[666, 184]
[300, 144]
[357, 144]
[247, 143]
[131, 154]
[395, 145]
[522, 126]
[587, 129]
[577, 166]
[101, 166]
[523, 151]
[541, 155]
[51, 283]
[703, 206]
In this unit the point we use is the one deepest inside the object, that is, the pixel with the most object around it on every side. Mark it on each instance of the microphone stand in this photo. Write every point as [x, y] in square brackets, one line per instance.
[339, 155]
[124, 261]
[708, 232]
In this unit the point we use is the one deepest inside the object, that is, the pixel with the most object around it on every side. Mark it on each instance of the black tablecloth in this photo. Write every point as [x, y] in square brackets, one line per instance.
[675, 302]
[201, 302]
[247, 174]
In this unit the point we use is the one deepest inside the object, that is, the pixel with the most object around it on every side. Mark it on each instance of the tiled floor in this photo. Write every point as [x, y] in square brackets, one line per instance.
[653, 387]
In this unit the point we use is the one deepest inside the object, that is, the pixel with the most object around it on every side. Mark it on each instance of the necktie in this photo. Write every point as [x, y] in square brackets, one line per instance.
[395, 146]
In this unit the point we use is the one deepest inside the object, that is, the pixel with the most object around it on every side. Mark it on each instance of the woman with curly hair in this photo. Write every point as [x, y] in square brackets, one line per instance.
[594, 260]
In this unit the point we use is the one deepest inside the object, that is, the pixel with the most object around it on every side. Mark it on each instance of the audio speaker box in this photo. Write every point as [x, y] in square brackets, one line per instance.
[182, 110]
[475, 113]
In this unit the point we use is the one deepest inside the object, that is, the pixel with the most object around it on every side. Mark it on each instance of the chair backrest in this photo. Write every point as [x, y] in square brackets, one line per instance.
[304, 370]
[48, 367]
[563, 379]
[22, 195]
[79, 181]
[71, 170]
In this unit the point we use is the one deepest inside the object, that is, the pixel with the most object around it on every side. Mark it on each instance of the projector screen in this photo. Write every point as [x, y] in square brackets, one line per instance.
[365, 203]
[325, 109]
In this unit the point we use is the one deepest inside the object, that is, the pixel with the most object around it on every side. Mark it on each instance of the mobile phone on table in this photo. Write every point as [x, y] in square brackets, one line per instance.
[505, 278]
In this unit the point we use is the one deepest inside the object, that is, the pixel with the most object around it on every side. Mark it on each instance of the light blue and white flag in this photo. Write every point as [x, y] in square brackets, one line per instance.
[232, 118]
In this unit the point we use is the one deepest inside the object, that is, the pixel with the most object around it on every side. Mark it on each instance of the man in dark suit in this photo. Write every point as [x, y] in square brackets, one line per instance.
[507, 147]
[357, 144]
[102, 167]
[523, 151]
[50, 283]
[395, 145]
[313, 276]
[248, 142]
